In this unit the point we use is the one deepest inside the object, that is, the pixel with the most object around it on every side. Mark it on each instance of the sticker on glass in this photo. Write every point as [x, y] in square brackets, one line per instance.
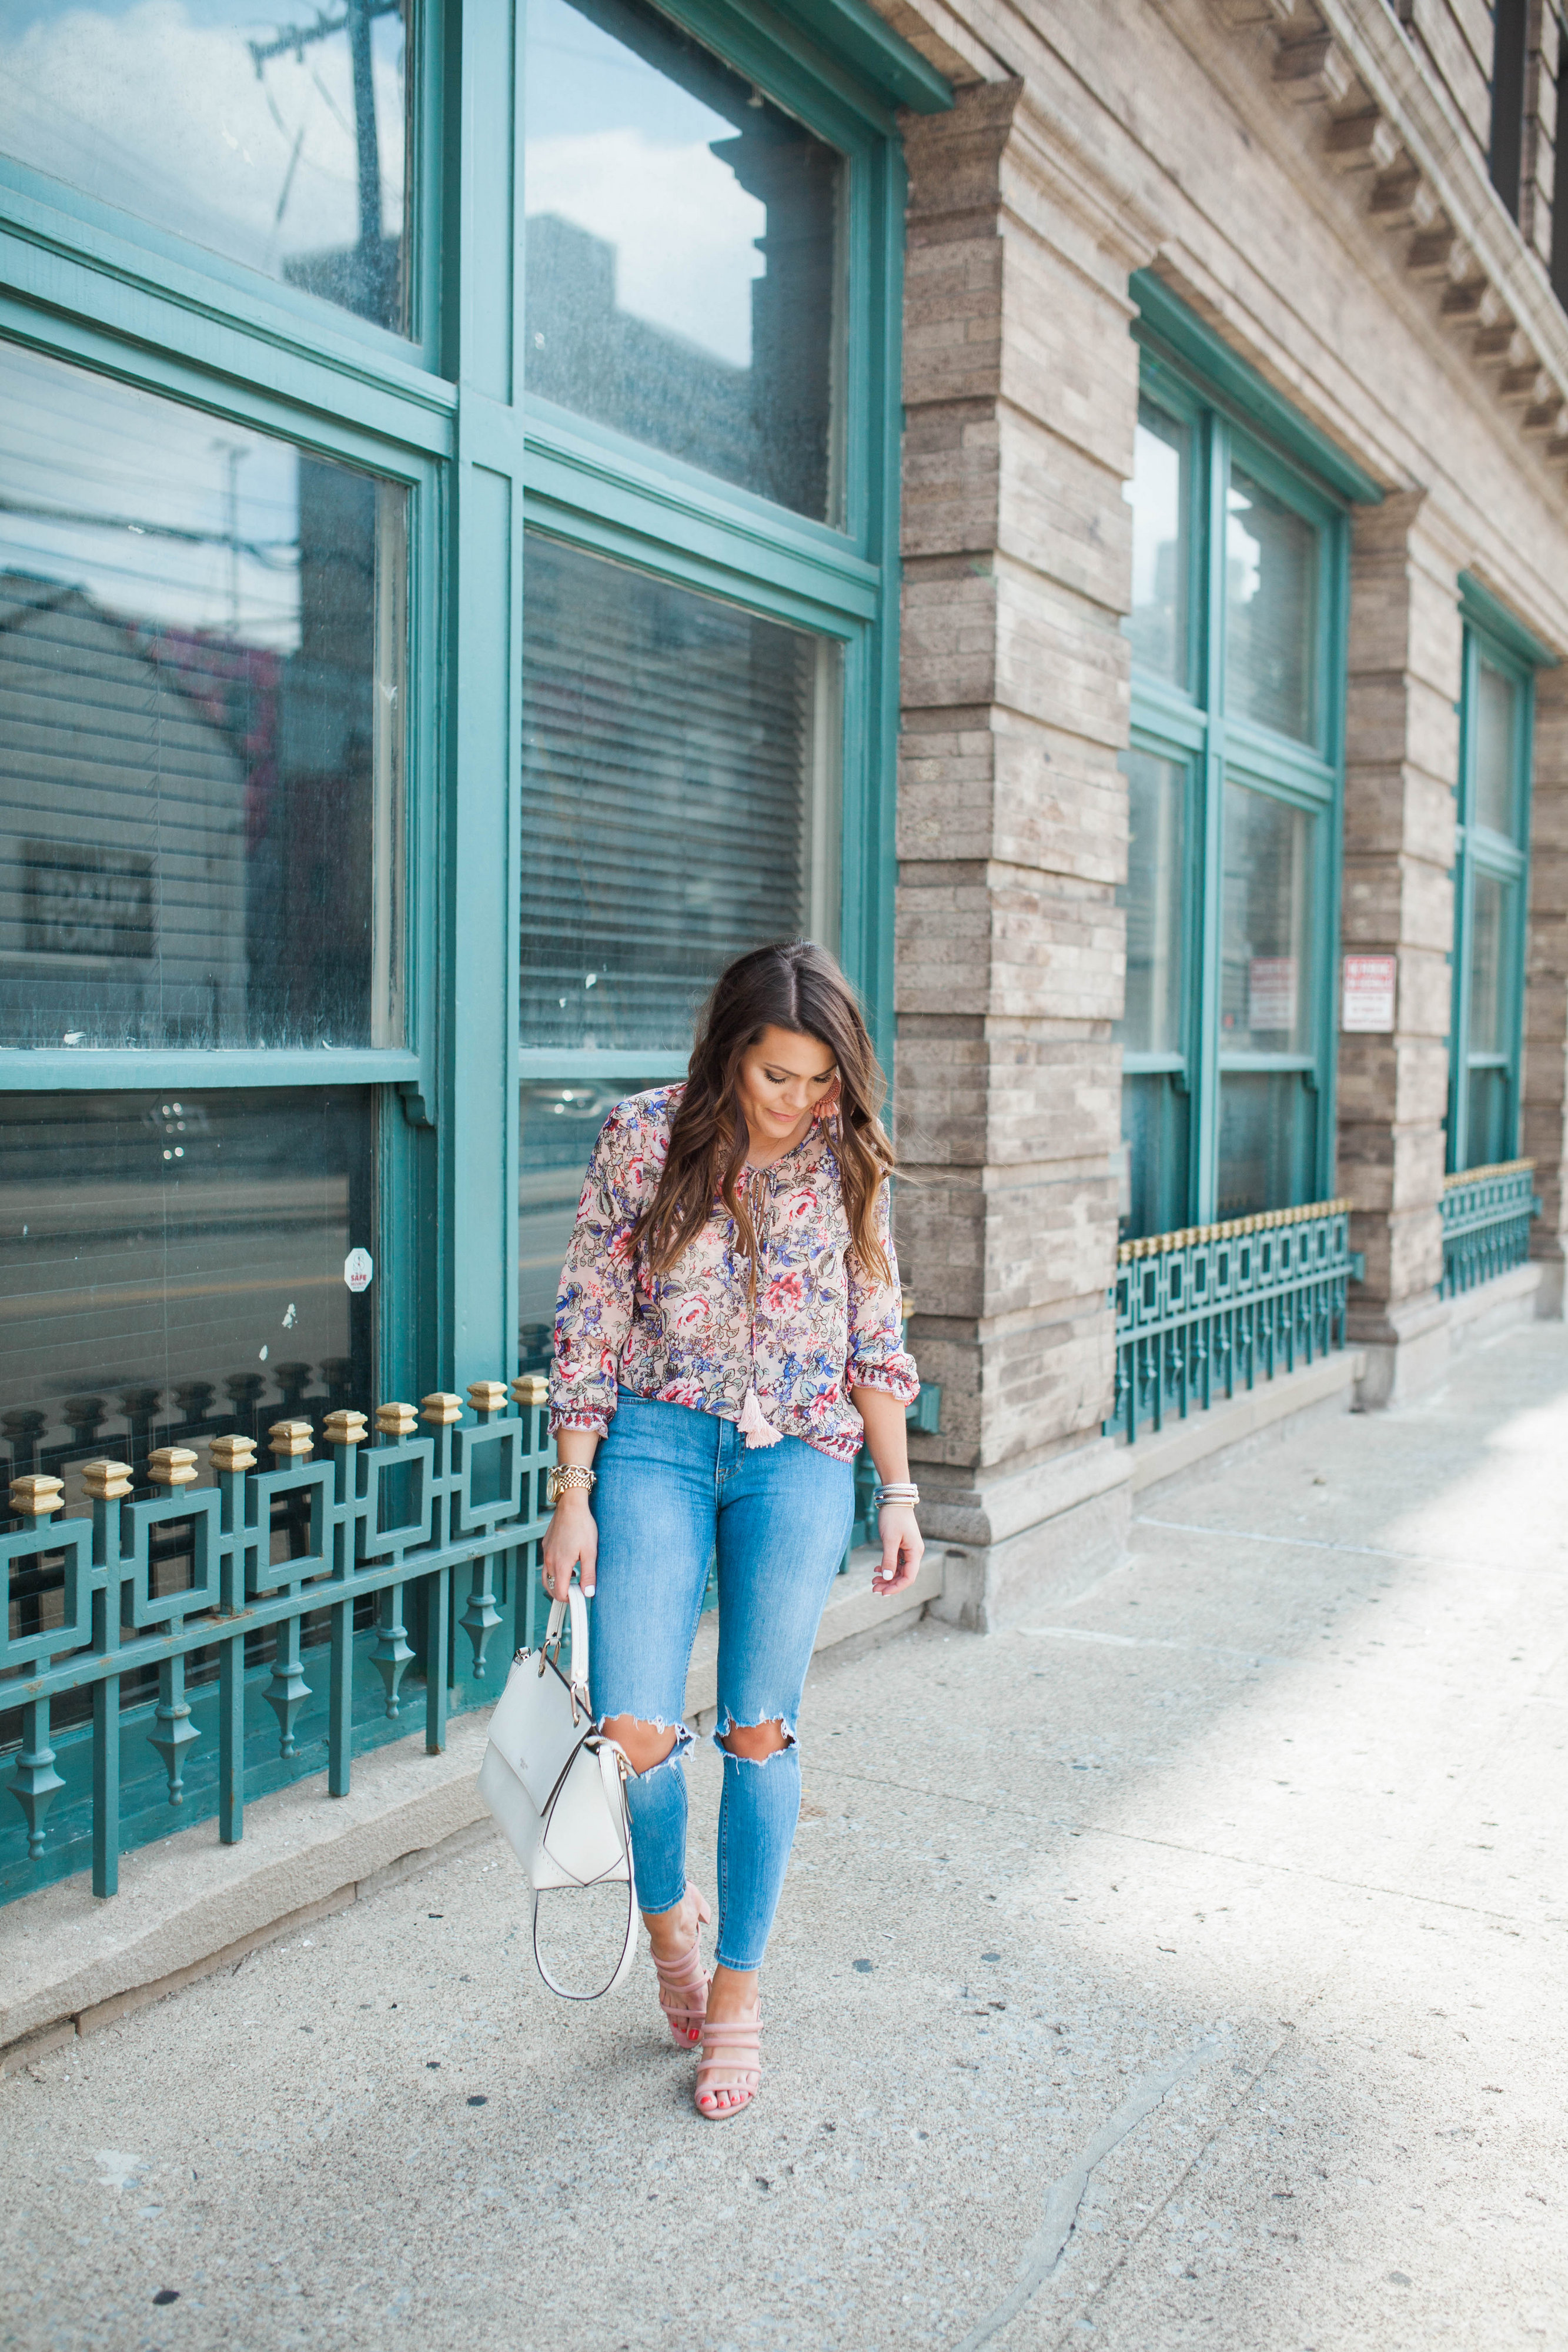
[358, 1268]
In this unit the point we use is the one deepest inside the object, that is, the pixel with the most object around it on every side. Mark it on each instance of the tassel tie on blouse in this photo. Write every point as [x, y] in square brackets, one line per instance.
[753, 1427]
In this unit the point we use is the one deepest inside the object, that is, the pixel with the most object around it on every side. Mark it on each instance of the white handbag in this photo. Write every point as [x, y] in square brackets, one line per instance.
[557, 1787]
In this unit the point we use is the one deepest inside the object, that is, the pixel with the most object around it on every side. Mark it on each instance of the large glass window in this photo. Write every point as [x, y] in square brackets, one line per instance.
[172, 1270]
[680, 797]
[1265, 1002]
[684, 252]
[1271, 620]
[202, 658]
[295, 729]
[280, 141]
[1153, 1029]
[702, 766]
[1231, 803]
[559, 1127]
[1160, 495]
[1489, 903]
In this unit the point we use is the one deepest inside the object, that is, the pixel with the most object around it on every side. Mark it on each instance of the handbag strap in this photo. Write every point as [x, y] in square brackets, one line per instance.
[623, 1968]
[557, 1612]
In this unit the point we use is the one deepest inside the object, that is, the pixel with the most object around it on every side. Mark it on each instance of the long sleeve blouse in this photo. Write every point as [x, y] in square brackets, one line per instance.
[816, 1326]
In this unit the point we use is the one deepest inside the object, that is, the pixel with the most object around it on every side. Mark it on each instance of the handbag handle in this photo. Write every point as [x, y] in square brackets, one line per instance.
[629, 1946]
[622, 1966]
[558, 1613]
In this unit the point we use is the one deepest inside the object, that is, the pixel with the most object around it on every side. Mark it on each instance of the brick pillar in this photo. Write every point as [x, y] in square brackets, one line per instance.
[1545, 1121]
[1021, 388]
[1402, 761]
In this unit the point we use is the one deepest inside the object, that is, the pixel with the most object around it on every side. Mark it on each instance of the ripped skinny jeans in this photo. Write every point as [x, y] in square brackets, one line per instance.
[674, 1484]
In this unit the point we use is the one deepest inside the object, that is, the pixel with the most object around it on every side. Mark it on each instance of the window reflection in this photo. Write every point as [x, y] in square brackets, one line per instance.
[557, 1128]
[1270, 599]
[278, 137]
[1266, 953]
[202, 636]
[680, 798]
[1490, 928]
[1154, 896]
[171, 1269]
[1155, 1154]
[1268, 1141]
[682, 252]
[1160, 494]
[1489, 1122]
[1497, 735]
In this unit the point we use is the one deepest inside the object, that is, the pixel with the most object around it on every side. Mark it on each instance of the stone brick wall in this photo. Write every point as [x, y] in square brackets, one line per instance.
[1402, 756]
[1022, 388]
[1218, 142]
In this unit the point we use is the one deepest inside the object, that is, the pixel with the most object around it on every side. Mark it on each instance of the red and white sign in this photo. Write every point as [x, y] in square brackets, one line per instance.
[1366, 993]
[359, 1267]
[1271, 992]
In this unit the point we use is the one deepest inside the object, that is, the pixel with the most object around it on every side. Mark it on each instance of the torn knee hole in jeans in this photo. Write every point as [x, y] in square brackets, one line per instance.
[682, 1741]
[768, 1723]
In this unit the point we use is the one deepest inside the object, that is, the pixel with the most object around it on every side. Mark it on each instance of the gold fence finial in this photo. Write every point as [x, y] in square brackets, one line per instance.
[488, 1396]
[346, 1428]
[290, 1441]
[440, 1409]
[530, 1388]
[396, 1420]
[233, 1453]
[37, 1497]
[107, 1482]
[172, 1466]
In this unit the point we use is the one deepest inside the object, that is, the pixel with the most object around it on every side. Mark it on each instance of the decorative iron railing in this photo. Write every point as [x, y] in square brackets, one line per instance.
[264, 1625]
[1486, 1215]
[196, 1644]
[1203, 1311]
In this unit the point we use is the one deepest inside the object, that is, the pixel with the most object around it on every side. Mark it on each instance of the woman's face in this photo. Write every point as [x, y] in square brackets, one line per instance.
[784, 1078]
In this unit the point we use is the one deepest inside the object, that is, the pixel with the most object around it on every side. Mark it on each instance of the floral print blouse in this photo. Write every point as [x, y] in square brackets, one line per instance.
[816, 1328]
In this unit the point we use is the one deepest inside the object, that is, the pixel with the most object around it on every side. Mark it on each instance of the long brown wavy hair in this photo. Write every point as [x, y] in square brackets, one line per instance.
[792, 985]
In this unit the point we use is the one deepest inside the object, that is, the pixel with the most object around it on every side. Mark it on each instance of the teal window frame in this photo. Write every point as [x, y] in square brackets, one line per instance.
[444, 411]
[1490, 633]
[1231, 412]
[600, 491]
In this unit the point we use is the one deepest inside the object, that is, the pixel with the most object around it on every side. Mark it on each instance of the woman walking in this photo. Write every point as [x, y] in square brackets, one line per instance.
[729, 1332]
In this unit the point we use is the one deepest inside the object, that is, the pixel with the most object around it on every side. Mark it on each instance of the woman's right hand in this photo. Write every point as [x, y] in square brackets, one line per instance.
[572, 1536]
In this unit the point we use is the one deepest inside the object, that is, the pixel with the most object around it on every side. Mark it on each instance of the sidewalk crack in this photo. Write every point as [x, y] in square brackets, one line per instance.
[1048, 2248]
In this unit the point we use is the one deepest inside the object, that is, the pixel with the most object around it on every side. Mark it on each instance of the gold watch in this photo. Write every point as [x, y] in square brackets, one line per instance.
[567, 1479]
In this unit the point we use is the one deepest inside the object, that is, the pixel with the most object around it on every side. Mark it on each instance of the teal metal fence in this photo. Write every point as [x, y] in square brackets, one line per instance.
[1204, 1311]
[184, 1649]
[1486, 1215]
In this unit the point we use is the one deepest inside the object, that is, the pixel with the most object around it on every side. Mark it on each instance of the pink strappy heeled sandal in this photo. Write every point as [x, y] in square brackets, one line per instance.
[683, 1983]
[731, 2045]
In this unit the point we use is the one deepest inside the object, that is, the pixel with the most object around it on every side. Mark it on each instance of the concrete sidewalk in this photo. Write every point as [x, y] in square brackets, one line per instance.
[1187, 1969]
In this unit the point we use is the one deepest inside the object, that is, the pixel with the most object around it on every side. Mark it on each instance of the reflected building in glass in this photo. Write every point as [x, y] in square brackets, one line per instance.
[202, 638]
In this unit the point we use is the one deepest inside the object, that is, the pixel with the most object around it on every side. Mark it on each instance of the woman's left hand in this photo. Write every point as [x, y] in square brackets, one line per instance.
[902, 1550]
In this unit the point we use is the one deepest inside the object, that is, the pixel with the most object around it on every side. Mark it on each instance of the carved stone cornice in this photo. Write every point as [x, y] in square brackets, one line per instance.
[1387, 128]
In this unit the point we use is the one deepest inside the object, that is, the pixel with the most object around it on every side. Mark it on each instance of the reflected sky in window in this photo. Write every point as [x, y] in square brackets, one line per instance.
[684, 252]
[627, 154]
[274, 136]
